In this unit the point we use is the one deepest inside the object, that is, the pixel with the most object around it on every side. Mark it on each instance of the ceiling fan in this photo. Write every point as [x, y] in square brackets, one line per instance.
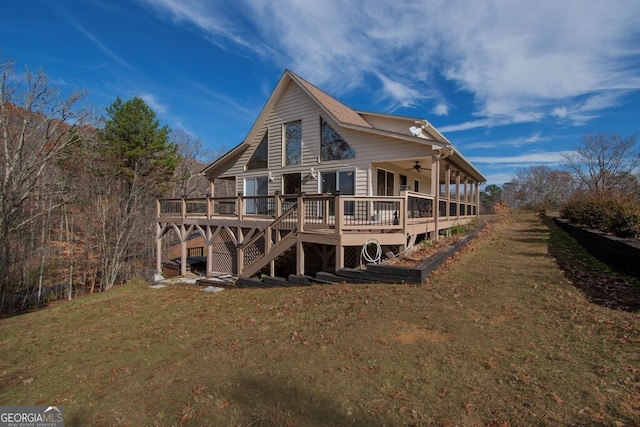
[417, 167]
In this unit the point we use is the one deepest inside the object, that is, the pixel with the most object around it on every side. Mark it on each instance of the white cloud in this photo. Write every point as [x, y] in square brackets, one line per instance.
[441, 109]
[519, 61]
[100, 45]
[154, 103]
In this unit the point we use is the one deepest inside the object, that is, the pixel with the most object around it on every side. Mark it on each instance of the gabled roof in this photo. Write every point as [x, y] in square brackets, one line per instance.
[340, 113]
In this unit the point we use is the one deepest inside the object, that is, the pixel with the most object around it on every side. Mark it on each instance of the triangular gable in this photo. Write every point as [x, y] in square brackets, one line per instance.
[338, 112]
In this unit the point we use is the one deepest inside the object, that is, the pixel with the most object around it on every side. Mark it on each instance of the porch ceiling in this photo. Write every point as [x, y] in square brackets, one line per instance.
[409, 164]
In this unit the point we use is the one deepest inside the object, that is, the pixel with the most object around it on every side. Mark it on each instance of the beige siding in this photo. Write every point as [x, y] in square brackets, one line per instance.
[293, 105]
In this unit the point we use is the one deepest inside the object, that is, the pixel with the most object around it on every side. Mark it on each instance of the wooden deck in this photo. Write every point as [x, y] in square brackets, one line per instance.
[260, 229]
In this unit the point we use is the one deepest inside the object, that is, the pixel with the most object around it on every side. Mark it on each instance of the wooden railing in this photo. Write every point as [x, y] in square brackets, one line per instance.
[339, 212]
[263, 245]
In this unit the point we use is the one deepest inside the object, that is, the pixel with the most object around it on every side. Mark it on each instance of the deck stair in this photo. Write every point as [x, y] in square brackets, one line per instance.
[269, 244]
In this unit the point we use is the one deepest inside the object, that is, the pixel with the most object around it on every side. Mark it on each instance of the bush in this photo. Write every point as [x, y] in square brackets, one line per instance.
[606, 212]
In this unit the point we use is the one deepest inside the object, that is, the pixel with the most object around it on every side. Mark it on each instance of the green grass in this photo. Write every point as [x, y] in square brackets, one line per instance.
[498, 336]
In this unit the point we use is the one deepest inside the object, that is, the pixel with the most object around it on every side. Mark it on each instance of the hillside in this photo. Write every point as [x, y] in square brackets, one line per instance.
[498, 336]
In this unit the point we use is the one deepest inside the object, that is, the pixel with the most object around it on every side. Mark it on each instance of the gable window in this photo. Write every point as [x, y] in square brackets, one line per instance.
[385, 183]
[259, 158]
[293, 143]
[332, 146]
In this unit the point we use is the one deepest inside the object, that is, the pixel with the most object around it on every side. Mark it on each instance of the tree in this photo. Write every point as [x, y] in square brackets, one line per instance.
[489, 197]
[193, 156]
[37, 126]
[604, 161]
[133, 166]
[539, 187]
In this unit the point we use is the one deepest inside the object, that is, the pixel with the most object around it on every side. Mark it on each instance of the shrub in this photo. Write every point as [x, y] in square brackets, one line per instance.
[606, 212]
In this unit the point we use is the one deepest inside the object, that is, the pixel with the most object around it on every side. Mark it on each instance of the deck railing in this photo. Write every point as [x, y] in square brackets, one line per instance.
[339, 212]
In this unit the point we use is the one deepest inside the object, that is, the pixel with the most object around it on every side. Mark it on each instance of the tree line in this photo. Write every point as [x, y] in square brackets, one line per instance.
[597, 184]
[78, 189]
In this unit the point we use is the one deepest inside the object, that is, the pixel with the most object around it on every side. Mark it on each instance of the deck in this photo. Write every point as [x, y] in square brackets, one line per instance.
[246, 233]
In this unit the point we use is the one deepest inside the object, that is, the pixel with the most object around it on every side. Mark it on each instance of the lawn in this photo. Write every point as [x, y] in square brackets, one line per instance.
[497, 336]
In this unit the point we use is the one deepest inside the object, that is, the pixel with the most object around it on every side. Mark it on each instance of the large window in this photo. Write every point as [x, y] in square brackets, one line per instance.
[385, 183]
[259, 158]
[332, 146]
[293, 143]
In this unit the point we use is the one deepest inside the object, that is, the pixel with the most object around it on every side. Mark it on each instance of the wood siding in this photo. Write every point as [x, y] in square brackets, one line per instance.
[370, 149]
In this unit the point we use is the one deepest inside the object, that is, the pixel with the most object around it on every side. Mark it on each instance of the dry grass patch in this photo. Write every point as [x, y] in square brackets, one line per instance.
[497, 336]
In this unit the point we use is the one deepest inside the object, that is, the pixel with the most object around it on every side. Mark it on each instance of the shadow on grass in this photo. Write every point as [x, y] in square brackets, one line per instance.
[531, 240]
[284, 403]
[599, 283]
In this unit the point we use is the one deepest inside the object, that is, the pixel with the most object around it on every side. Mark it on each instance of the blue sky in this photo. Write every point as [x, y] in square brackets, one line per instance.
[510, 83]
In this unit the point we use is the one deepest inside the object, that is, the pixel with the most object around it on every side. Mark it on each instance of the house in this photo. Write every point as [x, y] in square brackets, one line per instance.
[315, 181]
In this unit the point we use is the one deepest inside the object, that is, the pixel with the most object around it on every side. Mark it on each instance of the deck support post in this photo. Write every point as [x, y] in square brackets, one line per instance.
[299, 257]
[339, 257]
[158, 249]
[183, 250]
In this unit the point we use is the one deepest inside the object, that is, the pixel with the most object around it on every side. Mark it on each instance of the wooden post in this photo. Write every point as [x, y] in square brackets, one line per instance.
[183, 250]
[300, 214]
[458, 194]
[240, 206]
[209, 242]
[278, 201]
[339, 214]
[339, 257]
[477, 200]
[240, 260]
[300, 257]
[158, 249]
[447, 191]
[436, 208]
[210, 205]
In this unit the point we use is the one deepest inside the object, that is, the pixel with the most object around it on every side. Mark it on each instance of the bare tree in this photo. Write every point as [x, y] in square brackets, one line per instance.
[604, 161]
[193, 158]
[37, 125]
[539, 187]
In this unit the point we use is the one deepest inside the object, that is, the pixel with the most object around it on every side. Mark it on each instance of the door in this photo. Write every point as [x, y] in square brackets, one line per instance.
[258, 186]
[343, 181]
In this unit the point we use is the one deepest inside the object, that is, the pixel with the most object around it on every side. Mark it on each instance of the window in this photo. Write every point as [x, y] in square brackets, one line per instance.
[332, 146]
[293, 143]
[259, 158]
[385, 183]
[292, 183]
[416, 186]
